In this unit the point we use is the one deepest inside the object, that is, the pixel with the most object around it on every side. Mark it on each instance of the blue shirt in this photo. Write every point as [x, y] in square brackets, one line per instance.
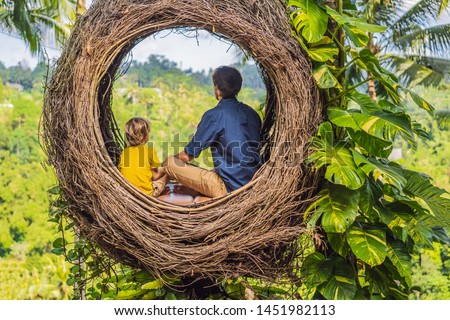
[232, 131]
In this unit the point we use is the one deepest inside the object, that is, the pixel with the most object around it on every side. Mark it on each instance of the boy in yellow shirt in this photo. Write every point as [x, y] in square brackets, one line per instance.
[139, 164]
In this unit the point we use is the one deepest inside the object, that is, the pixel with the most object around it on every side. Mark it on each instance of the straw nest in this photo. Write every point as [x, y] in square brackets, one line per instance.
[248, 232]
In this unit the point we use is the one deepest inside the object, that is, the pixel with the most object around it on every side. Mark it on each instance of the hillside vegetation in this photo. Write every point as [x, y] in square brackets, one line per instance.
[174, 101]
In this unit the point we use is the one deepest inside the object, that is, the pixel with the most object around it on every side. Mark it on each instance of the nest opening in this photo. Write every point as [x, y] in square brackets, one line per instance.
[252, 231]
[176, 194]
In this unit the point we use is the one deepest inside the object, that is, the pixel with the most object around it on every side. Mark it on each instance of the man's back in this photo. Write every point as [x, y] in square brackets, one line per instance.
[232, 130]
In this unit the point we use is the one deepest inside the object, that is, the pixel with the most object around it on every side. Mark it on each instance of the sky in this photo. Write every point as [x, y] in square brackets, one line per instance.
[207, 52]
[199, 53]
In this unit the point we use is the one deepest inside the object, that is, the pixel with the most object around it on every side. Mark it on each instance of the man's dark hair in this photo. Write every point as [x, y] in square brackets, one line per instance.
[228, 80]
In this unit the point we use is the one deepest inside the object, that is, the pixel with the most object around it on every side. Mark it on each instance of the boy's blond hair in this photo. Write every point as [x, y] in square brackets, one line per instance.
[137, 131]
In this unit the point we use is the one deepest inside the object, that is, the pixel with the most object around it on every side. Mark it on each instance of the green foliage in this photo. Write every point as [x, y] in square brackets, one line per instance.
[22, 76]
[337, 208]
[27, 269]
[431, 274]
[370, 209]
[30, 19]
[309, 19]
[94, 275]
[414, 44]
[374, 214]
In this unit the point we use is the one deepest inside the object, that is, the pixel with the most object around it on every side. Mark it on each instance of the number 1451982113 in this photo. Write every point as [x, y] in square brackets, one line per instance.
[296, 309]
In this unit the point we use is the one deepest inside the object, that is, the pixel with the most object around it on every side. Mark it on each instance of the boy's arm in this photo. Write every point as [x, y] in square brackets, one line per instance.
[158, 173]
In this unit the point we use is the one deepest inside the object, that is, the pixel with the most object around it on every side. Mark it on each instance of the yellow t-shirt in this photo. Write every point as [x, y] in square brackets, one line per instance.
[136, 163]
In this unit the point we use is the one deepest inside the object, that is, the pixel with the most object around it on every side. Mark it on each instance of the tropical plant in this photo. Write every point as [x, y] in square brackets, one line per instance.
[38, 21]
[372, 212]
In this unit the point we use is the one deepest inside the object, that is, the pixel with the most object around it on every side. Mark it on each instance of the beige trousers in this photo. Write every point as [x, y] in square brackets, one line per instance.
[159, 185]
[207, 182]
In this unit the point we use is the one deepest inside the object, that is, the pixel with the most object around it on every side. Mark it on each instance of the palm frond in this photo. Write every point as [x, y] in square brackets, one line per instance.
[410, 72]
[438, 64]
[422, 13]
[404, 16]
[32, 20]
[443, 118]
[444, 5]
[434, 39]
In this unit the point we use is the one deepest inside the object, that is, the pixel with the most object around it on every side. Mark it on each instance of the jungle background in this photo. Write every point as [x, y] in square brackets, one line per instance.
[32, 267]
[174, 101]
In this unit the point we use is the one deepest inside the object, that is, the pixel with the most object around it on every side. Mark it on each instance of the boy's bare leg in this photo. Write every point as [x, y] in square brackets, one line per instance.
[204, 181]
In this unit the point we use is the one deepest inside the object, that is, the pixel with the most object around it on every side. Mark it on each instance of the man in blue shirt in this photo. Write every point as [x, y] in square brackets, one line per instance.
[232, 131]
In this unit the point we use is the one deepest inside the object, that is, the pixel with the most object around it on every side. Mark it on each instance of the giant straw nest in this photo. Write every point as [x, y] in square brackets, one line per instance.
[250, 231]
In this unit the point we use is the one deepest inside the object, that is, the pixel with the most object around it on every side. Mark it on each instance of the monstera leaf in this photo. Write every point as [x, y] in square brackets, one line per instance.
[309, 19]
[385, 125]
[373, 145]
[369, 245]
[338, 160]
[387, 173]
[338, 207]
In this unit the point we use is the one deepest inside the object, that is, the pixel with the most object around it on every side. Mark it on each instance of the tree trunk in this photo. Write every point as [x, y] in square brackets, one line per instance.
[372, 91]
[374, 49]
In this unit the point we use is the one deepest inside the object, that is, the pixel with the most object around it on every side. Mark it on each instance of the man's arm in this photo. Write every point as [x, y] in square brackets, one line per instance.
[183, 156]
[206, 134]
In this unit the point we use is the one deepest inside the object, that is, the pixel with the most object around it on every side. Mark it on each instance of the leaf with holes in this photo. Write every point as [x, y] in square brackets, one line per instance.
[310, 20]
[338, 160]
[419, 186]
[372, 145]
[343, 170]
[370, 194]
[386, 173]
[386, 125]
